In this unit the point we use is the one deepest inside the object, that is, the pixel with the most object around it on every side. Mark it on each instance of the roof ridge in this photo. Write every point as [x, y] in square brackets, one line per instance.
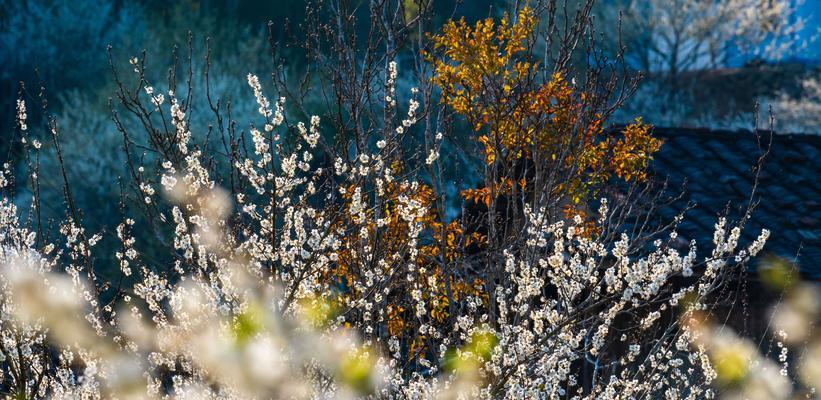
[669, 131]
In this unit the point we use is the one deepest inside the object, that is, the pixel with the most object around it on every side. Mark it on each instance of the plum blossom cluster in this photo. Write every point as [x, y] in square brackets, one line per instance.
[309, 280]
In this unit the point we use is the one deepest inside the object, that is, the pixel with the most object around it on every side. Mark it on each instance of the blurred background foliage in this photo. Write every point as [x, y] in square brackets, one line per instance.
[65, 43]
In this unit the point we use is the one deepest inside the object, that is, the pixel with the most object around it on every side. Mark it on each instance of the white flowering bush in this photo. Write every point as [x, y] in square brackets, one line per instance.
[311, 258]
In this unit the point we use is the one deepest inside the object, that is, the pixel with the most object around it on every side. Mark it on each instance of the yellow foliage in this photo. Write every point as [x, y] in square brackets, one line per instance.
[485, 75]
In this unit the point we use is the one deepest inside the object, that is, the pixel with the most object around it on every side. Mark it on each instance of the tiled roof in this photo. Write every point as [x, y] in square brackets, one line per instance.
[717, 169]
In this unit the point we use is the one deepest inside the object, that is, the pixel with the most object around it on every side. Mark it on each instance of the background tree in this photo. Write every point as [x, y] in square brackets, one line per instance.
[684, 48]
[668, 39]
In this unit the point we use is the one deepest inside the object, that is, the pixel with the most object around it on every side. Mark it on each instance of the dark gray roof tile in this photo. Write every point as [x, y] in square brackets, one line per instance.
[717, 168]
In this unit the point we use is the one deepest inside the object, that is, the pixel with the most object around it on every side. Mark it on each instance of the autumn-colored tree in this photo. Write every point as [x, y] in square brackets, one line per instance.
[487, 75]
